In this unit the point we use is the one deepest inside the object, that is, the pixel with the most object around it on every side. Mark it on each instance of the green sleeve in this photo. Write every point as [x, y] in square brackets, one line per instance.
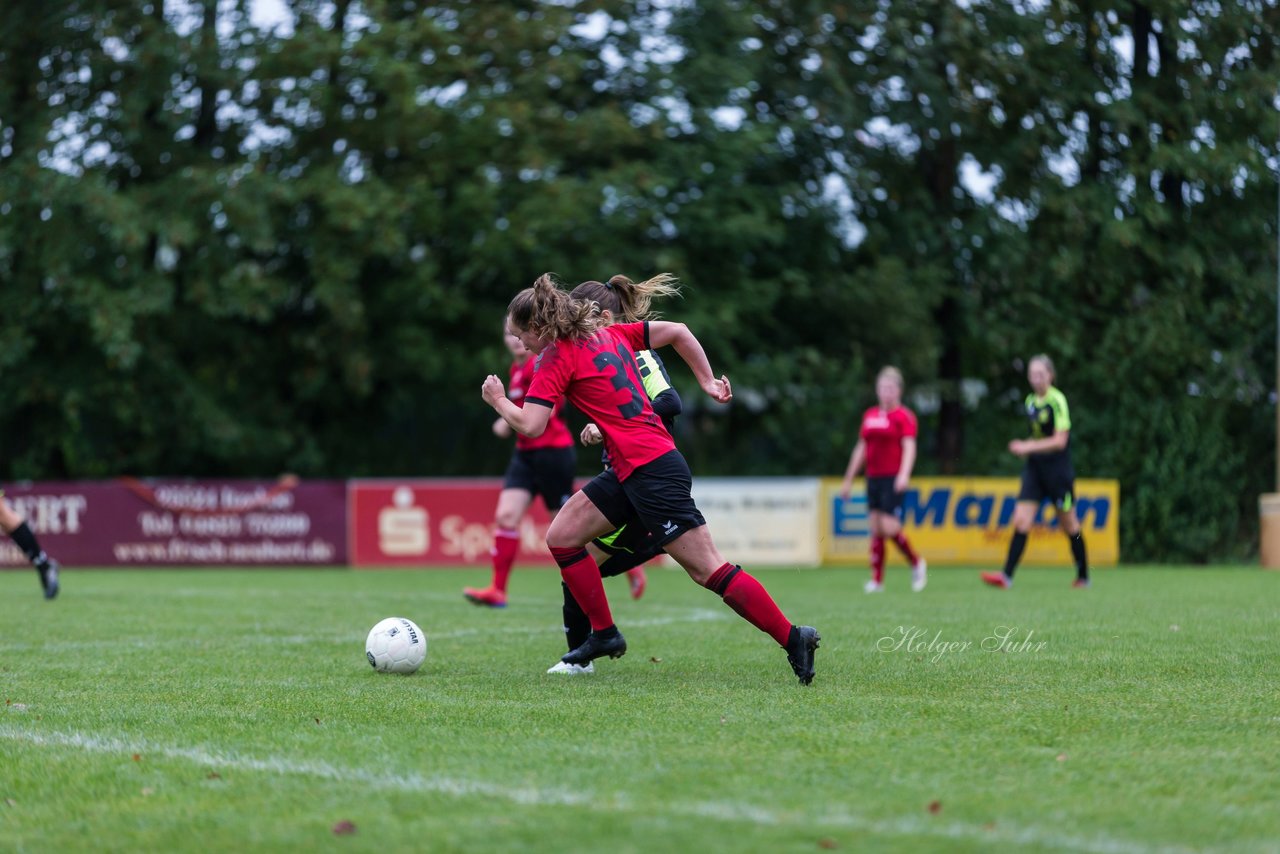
[1061, 415]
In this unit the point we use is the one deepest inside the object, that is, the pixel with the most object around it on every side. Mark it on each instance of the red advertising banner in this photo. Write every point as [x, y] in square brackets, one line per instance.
[434, 523]
[184, 523]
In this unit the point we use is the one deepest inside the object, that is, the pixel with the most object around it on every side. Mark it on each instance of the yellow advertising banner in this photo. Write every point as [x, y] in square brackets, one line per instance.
[967, 521]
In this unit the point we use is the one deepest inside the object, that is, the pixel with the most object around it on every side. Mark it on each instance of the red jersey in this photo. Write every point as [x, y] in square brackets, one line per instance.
[557, 434]
[600, 377]
[883, 432]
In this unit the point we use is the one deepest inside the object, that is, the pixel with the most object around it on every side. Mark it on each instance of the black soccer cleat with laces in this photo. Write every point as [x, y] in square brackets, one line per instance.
[597, 646]
[49, 578]
[800, 648]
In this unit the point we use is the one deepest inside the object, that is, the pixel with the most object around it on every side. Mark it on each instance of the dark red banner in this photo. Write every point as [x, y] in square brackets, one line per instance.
[435, 523]
[184, 523]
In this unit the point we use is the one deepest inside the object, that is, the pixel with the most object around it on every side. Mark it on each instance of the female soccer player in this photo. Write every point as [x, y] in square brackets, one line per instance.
[1047, 474]
[887, 444]
[539, 466]
[12, 523]
[595, 368]
[632, 545]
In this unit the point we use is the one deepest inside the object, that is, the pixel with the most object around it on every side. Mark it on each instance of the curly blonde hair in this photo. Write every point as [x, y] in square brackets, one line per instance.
[548, 312]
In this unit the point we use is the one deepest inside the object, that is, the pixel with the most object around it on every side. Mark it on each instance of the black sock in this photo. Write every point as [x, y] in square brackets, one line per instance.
[608, 634]
[1082, 559]
[616, 564]
[26, 541]
[576, 624]
[1016, 545]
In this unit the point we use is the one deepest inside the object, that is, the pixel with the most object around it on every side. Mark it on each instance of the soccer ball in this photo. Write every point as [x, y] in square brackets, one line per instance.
[396, 645]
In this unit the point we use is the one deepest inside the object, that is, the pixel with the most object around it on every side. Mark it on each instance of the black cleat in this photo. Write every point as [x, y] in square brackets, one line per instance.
[800, 647]
[49, 578]
[597, 647]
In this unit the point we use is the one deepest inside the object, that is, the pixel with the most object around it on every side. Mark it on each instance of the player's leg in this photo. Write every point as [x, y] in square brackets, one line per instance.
[1069, 522]
[582, 519]
[1031, 495]
[1024, 516]
[660, 493]
[577, 626]
[626, 550]
[696, 552]
[519, 485]
[875, 550]
[891, 530]
[875, 553]
[513, 502]
[12, 523]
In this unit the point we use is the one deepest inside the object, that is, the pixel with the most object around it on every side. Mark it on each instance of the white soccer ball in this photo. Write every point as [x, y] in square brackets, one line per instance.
[396, 645]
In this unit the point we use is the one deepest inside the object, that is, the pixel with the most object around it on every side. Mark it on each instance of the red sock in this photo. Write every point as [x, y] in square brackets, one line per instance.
[905, 547]
[582, 575]
[877, 560]
[744, 594]
[506, 543]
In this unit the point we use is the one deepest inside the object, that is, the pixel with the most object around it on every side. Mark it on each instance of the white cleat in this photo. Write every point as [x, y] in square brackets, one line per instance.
[873, 586]
[573, 669]
[919, 575]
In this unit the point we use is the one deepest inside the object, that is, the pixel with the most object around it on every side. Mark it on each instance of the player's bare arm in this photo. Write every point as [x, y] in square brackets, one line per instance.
[527, 421]
[1024, 447]
[663, 333]
[856, 459]
[908, 463]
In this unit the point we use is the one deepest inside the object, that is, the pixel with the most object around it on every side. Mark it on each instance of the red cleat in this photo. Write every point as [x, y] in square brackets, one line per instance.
[997, 579]
[490, 597]
[638, 581]
[1080, 583]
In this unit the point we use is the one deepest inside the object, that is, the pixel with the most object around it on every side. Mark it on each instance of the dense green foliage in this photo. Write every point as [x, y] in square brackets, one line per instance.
[233, 714]
[233, 250]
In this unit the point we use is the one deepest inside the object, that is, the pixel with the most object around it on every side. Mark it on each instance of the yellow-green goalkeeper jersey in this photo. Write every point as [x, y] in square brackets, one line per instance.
[654, 375]
[1049, 415]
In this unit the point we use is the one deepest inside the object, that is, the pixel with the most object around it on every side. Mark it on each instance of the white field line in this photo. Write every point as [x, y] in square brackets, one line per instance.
[690, 616]
[736, 812]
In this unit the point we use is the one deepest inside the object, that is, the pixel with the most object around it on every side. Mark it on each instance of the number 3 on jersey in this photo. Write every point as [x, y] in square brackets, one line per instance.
[621, 379]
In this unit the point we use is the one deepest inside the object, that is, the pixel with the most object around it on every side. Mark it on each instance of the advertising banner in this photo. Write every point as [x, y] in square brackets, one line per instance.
[762, 521]
[967, 521]
[130, 522]
[435, 523]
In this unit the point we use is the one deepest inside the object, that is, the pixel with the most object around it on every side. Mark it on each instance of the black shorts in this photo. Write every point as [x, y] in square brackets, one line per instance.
[883, 497]
[1054, 482]
[543, 471]
[632, 544]
[656, 495]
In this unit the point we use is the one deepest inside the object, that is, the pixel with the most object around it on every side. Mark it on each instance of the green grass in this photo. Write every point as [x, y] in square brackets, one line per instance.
[231, 711]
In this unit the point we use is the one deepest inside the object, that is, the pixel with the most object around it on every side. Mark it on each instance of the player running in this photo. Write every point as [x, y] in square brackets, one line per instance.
[887, 444]
[1047, 474]
[632, 545]
[539, 466]
[594, 366]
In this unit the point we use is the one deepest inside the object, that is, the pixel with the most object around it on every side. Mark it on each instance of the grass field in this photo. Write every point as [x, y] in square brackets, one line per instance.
[232, 710]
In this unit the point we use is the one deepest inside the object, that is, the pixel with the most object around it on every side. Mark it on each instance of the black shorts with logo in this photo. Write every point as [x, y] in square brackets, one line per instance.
[543, 471]
[1052, 480]
[882, 496]
[656, 495]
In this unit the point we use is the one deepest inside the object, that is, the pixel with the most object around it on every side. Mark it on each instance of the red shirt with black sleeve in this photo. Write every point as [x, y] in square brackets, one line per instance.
[599, 376]
[557, 434]
[883, 433]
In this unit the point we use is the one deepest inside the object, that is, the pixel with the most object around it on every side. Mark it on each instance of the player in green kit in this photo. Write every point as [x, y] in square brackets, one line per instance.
[1047, 474]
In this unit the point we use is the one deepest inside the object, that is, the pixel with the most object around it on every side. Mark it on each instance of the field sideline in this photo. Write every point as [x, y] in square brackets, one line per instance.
[232, 710]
